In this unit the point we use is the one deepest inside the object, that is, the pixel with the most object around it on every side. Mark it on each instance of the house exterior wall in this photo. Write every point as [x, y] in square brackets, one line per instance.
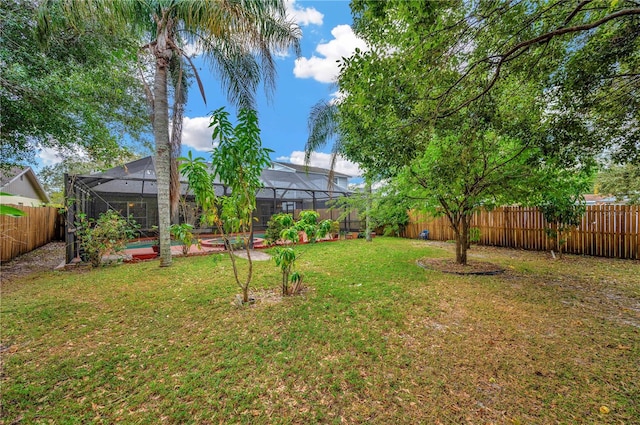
[22, 187]
[20, 200]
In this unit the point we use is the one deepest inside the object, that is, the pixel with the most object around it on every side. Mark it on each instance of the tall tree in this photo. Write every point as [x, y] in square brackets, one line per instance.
[585, 56]
[237, 38]
[52, 176]
[323, 128]
[467, 169]
[435, 100]
[180, 83]
[79, 95]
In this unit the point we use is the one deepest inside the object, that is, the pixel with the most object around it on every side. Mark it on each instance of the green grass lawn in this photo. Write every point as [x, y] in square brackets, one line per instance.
[374, 339]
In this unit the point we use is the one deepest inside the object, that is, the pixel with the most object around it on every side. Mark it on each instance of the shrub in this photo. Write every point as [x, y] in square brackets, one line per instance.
[328, 227]
[110, 233]
[276, 224]
[308, 223]
[183, 233]
[474, 235]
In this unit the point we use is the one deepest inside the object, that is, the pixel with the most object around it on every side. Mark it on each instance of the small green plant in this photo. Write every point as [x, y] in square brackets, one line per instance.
[285, 258]
[474, 235]
[183, 233]
[328, 227]
[562, 214]
[276, 224]
[110, 233]
[308, 223]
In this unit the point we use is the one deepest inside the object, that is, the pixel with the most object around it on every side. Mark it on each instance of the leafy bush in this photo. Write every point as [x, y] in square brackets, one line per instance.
[110, 233]
[308, 223]
[183, 233]
[285, 257]
[276, 224]
[328, 227]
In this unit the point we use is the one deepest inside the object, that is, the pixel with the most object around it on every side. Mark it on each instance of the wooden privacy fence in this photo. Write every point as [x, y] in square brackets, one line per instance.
[19, 235]
[605, 230]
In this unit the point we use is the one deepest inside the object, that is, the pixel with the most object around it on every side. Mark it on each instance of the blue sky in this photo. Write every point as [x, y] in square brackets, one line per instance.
[302, 82]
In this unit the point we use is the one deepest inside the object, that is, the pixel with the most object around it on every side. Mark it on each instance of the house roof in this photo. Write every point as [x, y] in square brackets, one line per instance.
[142, 172]
[593, 199]
[309, 169]
[14, 174]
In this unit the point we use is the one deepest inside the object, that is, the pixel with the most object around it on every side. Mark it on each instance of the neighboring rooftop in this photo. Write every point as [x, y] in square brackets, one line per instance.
[592, 199]
[23, 182]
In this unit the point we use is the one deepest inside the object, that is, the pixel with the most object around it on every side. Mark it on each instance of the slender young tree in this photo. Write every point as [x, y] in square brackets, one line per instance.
[237, 39]
[238, 162]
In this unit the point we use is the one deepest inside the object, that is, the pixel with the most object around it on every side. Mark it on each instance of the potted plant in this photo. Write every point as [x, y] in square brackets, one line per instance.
[155, 242]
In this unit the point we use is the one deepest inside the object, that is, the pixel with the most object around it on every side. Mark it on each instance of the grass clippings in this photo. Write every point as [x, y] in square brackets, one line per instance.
[375, 339]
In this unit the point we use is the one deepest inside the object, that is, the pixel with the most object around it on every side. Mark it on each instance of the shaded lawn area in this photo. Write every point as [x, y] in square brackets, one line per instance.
[374, 339]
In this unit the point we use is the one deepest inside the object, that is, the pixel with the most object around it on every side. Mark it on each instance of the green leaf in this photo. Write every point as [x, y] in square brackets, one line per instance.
[11, 211]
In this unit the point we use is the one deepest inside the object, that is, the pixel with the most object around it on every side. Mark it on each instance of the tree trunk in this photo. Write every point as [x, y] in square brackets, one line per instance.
[559, 242]
[245, 295]
[245, 288]
[368, 212]
[462, 240]
[285, 283]
[161, 135]
[176, 147]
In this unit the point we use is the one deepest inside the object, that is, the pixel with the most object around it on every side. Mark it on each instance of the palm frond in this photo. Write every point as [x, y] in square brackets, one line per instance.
[238, 72]
[238, 32]
[323, 126]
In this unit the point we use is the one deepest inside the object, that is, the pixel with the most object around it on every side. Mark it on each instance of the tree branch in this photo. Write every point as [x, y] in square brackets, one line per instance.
[524, 45]
[576, 11]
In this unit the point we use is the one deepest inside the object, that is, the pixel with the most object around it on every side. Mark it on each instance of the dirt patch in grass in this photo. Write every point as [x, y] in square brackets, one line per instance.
[45, 258]
[450, 266]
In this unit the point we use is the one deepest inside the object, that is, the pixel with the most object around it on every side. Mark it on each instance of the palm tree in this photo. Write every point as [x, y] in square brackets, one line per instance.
[324, 125]
[237, 38]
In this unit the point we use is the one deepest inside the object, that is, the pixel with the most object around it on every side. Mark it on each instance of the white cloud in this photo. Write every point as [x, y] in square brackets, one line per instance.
[303, 16]
[324, 68]
[53, 156]
[323, 160]
[197, 134]
[49, 156]
[192, 49]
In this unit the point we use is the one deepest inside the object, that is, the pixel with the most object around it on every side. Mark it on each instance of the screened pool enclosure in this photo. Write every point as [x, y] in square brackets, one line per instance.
[131, 190]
